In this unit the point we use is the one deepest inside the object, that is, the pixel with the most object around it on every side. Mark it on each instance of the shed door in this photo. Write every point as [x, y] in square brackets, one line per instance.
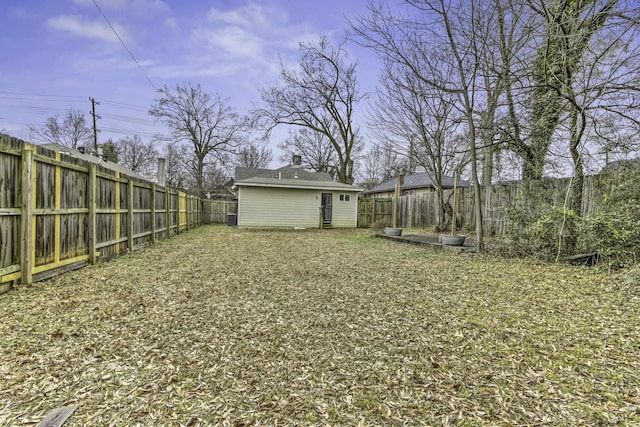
[327, 201]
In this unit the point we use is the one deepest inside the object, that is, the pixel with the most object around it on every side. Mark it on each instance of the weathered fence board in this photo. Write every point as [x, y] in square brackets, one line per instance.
[372, 210]
[422, 211]
[58, 212]
[216, 211]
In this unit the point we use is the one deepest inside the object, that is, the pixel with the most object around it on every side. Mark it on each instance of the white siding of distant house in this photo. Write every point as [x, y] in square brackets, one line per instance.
[423, 190]
[384, 195]
[289, 207]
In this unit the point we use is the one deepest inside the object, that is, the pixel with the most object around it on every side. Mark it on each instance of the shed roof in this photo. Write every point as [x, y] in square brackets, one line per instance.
[289, 177]
[285, 172]
[414, 181]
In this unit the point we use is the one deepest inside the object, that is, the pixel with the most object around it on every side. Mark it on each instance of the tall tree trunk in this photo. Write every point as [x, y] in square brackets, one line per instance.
[578, 124]
[488, 149]
[477, 194]
[200, 174]
[547, 106]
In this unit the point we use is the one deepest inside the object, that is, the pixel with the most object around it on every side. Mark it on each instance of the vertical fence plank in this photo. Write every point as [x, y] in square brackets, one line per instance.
[153, 213]
[373, 212]
[118, 218]
[187, 208]
[130, 208]
[167, 217]
[26, 224]
[57, 218]
[34, 203]
[93, 182]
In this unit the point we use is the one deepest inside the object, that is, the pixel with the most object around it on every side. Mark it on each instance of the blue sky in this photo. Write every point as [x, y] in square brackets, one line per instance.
[58, 53]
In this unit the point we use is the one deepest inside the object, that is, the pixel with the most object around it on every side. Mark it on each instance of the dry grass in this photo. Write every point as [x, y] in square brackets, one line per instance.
[227, 327]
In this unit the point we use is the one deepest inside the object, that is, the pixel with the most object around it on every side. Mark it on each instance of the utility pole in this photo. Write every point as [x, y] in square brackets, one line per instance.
[95, 129]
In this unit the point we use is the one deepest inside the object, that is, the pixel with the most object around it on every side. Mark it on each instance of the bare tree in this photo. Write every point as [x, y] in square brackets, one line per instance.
[253, 156]
[314, 148]
[590, 67]
[380, 163]
[207, 121]
[176, 174]
[72, 131]
[215, 176]
[567, 33]
[422, 122]
[138, 156]
[451, 41]
[612, 140]
[321, 96]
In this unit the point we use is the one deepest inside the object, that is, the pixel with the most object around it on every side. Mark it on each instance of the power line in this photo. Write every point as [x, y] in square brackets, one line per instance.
[124, 45]
[129, 132]
[128, 119]
[121, 117]
[123, 105]
[39, 95]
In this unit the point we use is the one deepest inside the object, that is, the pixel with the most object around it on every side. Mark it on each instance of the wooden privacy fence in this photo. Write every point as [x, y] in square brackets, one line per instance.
[217, 211]
[373, 210]
[58, 212]
[421, 210]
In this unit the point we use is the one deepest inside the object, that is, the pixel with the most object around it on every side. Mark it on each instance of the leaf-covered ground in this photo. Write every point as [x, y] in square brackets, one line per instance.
[226, 327]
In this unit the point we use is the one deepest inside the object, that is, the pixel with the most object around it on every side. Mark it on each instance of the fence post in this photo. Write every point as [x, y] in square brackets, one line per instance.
[92, 213]
[189, 204]
[167, 216]
[153, 213]
[373, 212]
[130, 214]
[118, 217]
[56, 205]
[26, 219]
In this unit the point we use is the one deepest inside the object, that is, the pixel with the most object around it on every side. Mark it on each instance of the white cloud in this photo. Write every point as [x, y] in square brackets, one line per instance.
[256, 32]
[232, 40]
[99, 62]
[241, 47]
[249, 16]
[87, 28]
[171, 23]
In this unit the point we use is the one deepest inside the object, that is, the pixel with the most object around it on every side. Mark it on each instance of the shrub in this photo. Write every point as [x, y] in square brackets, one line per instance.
[540, 232]
[538, 223]
[613, 230]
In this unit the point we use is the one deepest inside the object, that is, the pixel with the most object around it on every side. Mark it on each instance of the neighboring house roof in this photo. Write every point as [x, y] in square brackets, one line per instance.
[415, 181]
[288, 177]
[92, 159]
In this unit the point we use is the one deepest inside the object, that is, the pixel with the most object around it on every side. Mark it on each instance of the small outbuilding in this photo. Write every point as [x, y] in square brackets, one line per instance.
[291, 197]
